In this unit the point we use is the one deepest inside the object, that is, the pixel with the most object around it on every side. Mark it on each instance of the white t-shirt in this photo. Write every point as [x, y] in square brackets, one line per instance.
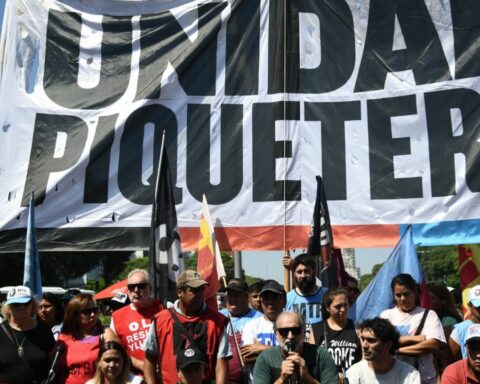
[259, 329]
[407, 324]
[131, 380]
[401, 373]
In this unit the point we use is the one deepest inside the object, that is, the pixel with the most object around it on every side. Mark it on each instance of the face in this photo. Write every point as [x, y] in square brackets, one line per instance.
[339, 308]
[304, 278]
[289, 331]
[21, 311]
[89, 316]
[255, 302]
[139, 290]
[353, 291]
[372, 346]
[192, 299]
[272, 304]
[475, 311]
[436, 303]
[473, 348]
[111, 364]
[237, 302]
[404, 298]
[193, 374]
[46, 312]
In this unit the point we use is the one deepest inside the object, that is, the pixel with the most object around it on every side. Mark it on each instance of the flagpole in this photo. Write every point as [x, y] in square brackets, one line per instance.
[160, 285]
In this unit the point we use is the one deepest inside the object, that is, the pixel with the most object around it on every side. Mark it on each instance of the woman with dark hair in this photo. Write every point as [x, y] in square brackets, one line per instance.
[113, 366]
[50, 311]
[81, 337]
[421, 333]
[25, 342]
[337, 332]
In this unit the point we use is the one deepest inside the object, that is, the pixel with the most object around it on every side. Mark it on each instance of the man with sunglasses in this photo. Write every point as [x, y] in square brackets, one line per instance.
[457, 339]
[132, 322]
[293, 360]
[352, 288]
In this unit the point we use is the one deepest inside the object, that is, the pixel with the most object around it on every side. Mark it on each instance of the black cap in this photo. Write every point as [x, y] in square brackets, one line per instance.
[273, 286]
[237, 285]
[189, 356]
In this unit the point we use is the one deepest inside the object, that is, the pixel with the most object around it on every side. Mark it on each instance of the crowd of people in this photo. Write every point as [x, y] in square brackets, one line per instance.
[263, 335]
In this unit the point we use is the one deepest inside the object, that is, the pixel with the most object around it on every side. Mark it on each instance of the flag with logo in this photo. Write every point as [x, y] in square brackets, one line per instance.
[165, 258]
[320, 242]
[209, 262]
[469, 261]
[378, 295]
[32, 276]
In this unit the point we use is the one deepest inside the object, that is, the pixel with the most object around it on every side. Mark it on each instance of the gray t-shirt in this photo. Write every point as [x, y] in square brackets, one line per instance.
[401, 373]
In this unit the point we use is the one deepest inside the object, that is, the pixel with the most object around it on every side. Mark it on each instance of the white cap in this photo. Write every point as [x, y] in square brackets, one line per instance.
[19, 295]
[474, 296]
[473, 333]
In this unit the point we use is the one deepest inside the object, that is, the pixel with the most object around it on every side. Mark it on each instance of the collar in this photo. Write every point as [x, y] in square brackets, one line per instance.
[177, 309]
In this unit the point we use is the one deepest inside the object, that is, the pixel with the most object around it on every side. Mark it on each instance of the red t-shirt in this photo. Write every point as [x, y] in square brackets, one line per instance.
[77, 364]
[131, 326]
[459, 373]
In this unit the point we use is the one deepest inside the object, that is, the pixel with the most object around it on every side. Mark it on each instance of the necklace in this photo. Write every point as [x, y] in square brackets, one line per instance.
[19, 345]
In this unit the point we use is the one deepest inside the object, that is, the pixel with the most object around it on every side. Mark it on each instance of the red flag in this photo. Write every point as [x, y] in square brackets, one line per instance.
[469, 261]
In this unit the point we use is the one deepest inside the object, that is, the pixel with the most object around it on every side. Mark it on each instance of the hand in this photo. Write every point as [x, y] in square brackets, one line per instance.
[251, 351]
[287, 261]
[299, 363]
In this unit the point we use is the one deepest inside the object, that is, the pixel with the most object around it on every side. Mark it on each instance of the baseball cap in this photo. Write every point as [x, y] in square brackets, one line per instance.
[273, 286]
[237, 285]
[189, 356]
[473, 333]
[19, 295]
[474, 296]
[190, 278]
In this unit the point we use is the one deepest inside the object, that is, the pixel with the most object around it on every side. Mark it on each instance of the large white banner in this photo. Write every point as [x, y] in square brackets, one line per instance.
[379, 97]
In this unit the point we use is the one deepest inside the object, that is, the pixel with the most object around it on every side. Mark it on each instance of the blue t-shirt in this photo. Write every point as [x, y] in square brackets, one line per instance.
[459, 335]
[310, 307]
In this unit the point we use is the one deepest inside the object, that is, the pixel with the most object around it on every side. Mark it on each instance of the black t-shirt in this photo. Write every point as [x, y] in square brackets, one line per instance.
[343, 345]
[36, 347]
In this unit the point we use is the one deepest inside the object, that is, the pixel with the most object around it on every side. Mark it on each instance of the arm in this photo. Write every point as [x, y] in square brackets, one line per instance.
[221, 371]
[109, 335]
[150, 369]
[422, 348]
[454, 349]
[250, 352]
[137, 363]
[409, 340]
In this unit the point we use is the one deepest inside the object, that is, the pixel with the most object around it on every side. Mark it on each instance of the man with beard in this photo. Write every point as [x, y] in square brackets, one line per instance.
[467, 370]
[307, 297]
[379, 339]
[293, 360]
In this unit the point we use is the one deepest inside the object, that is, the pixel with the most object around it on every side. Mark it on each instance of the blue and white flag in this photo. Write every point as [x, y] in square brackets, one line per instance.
[32, 276]
[378, 295]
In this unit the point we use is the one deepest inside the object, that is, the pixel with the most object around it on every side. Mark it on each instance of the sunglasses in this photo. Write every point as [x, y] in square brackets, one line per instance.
[285, 331]
[16, 305]
[89, 311]
[142, 286]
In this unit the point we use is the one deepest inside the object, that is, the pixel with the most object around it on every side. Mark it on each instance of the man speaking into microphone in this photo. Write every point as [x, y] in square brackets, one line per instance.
[293, 360]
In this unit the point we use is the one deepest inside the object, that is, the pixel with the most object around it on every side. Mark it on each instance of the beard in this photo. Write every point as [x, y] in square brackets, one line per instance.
[306, 285]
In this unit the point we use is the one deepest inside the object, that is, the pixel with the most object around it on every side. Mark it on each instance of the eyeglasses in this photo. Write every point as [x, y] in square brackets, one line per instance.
[89, 311]
[285, 331]
[16, 305]
[141, 286]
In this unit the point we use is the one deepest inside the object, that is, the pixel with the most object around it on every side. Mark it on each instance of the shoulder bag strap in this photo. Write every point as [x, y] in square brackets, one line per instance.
[182, 327]
[422, 323]
[325, 333]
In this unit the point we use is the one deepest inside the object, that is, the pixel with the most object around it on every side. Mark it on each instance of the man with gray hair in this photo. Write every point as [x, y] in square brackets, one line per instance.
[132, 322]
[293, 360]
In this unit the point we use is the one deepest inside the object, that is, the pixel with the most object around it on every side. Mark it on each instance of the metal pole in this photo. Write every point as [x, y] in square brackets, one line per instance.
[237, 262]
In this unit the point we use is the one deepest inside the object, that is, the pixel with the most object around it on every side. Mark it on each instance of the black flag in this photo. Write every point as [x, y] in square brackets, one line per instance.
[165, 259]
[320, 240]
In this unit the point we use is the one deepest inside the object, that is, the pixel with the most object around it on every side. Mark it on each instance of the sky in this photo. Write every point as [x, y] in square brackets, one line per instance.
[268, 264]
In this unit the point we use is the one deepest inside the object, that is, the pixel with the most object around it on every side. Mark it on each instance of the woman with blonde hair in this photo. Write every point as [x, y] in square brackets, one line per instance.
[113, 366]
[25, 342]
[81, 337]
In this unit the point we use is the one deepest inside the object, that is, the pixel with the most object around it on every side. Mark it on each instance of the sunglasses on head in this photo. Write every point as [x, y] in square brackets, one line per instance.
[89, 311]
[285, 331]
[142, 286]
[16, 305]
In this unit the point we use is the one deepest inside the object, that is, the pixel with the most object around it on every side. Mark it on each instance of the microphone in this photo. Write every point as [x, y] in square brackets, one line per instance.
[51, 374]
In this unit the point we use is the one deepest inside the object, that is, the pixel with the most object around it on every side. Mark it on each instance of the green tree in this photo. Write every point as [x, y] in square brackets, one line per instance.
[440, 264]
[365, 279]
[133, 263]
